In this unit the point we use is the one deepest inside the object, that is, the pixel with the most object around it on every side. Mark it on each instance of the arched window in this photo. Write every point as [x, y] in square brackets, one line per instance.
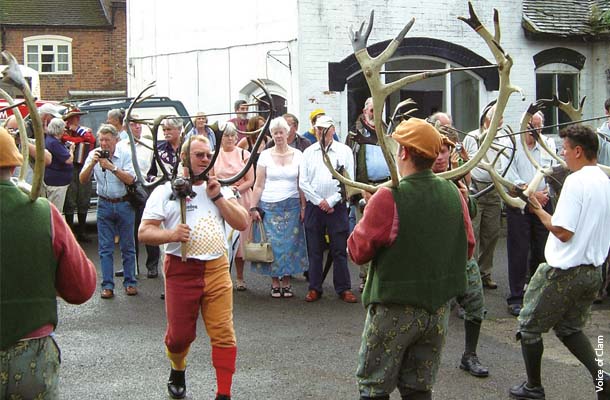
[48, 54]
[558, 74]
[457, 94]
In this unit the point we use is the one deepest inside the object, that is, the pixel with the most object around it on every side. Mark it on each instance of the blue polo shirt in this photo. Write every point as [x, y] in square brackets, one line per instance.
[58, 173]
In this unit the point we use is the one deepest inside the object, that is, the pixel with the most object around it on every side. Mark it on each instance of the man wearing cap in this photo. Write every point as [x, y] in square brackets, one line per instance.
[32, 277]
[113, 169]
[79, 194]
[326, 211]
[416, 269]
[47, 112]
[526, 236]
[311, 133]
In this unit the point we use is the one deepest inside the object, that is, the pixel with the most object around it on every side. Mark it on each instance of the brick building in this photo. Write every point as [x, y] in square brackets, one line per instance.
[301, 49]
[77, 46]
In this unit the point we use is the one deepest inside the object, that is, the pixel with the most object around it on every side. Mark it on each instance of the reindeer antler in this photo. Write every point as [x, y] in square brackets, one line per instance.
[23, 139]
[505, 63]
[12, 75]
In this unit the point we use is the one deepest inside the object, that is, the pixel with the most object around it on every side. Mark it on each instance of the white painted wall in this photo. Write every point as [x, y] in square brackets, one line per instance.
[205, 53]
[323, 37]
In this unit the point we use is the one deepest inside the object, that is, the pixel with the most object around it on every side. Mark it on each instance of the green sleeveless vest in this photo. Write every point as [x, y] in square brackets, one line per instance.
[426, 265]
[27, 265]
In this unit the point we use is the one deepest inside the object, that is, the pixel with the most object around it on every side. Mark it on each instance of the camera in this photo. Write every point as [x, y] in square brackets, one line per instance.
[104, 154]
[458, 147]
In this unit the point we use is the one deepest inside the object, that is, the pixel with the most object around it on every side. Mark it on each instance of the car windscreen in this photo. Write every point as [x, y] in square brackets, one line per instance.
[95, 117]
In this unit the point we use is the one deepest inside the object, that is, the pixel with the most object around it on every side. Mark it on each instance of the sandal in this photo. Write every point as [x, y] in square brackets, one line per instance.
[287, 292]
[240, 285]
[276, 292]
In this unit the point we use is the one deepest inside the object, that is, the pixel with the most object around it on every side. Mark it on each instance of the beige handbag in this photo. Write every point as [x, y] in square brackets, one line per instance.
[258, 252]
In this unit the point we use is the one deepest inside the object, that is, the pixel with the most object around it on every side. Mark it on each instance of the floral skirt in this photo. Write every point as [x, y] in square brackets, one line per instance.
[287, 237]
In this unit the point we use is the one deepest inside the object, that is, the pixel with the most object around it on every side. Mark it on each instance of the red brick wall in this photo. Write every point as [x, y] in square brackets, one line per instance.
[98, 58]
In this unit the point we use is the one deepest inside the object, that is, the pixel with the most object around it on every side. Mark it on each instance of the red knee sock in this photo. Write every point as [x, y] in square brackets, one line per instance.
[223, 360]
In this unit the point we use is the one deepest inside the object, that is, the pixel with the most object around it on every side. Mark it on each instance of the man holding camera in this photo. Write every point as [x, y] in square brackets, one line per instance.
[113, 169]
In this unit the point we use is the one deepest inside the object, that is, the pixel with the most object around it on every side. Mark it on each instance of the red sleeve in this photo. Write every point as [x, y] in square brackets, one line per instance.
[89, 138]
[377, 228]
[75, 277]
[468, 226]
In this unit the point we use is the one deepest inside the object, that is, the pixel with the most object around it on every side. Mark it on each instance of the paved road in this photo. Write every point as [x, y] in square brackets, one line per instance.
[289, 349]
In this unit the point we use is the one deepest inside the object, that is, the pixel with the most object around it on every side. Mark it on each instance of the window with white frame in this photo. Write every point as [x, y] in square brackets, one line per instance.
[561, 80]
[48, 54]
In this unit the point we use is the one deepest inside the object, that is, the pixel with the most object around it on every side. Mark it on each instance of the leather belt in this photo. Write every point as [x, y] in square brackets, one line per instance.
[117, 200]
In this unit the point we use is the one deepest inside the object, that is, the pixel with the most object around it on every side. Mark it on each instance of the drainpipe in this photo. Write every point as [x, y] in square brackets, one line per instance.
[2, 37]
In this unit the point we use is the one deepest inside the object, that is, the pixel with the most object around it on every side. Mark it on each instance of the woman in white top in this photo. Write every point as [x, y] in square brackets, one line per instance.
[279, 204]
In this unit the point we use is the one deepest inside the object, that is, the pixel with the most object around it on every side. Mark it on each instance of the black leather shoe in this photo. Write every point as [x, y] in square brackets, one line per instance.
[176, 385]
[152, 274]
[119, 273]
[514, 309]
[523, 392]
[223, 397]
[470, 363]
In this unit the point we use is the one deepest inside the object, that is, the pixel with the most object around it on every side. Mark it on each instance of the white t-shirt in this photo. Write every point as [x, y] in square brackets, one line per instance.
[281, 181]
[583, 208]
[207, 240]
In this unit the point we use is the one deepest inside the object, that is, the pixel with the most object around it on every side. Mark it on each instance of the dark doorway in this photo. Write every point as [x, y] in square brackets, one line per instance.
[357, 93]
[428, 101]
[279, 104]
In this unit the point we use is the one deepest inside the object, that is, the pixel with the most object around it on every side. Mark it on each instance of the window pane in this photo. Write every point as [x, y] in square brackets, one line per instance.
[62, 49]
[428, 94]
[33, 66]
[567, 86]
[32, 58]
[47, 58]
[62, 67]
[32, 48]
[47, 47]
[465, 101]
[62, 58]
[544, 90]
[47, 68]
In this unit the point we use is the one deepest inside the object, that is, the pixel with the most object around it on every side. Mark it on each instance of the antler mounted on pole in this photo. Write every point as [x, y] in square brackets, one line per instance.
[13, 76]
[371, 68]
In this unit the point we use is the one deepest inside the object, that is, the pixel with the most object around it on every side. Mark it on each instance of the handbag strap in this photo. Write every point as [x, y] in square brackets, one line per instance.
[261, 230]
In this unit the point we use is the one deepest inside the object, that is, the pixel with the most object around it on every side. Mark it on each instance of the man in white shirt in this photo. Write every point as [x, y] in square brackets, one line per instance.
[144, 153]
[326, 211]
[200, 285]
[487, 222]
[526, 236]
[560, 293]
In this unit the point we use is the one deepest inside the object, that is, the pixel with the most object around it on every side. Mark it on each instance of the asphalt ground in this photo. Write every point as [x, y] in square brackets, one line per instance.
[290, 349]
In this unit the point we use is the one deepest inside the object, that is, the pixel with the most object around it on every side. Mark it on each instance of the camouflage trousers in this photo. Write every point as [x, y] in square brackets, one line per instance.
[29, 370]
[401, 348]
[473, 300]
[559, 299]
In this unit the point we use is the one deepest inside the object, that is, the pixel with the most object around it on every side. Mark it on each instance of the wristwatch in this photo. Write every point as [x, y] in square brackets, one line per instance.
[115, 169]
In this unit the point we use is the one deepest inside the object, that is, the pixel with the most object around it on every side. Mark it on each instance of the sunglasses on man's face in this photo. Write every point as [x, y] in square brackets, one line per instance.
[203, 155]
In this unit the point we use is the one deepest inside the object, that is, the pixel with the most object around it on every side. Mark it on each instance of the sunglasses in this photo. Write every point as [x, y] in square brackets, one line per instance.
[203, 155]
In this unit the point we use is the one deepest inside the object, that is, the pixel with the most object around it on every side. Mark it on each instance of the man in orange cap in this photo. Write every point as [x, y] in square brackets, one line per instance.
[410, 281]
[32, 277]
